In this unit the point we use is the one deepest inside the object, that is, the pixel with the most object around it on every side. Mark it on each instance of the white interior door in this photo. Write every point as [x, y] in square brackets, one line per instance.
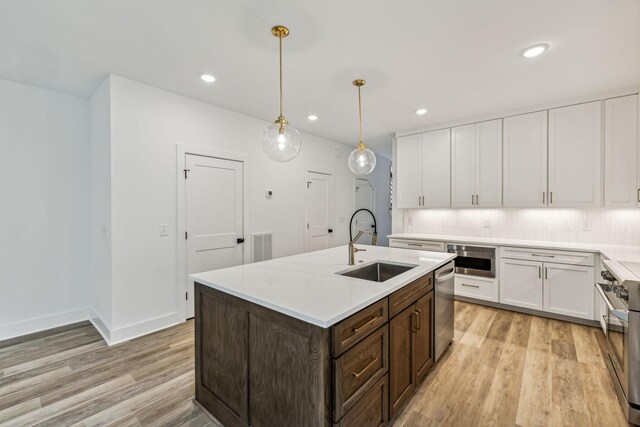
[214, 210]
[363, 198]
[318, 209]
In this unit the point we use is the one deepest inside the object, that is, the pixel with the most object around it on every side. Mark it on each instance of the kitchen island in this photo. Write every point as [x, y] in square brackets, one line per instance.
[293, 341]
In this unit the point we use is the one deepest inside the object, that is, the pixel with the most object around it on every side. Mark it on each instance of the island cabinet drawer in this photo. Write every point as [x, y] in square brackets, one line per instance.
[420, 245]
[370, 411]
[546, 255]
[358, 369]
[353, 329]
[404, 297]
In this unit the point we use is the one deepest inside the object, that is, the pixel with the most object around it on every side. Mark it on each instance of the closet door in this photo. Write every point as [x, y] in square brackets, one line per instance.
[489, 164]
[525, 160]
[575, 145]
[463, 166]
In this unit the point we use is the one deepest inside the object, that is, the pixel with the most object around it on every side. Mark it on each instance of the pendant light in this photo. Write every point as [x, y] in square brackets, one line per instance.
[280, 140]
[361, 160]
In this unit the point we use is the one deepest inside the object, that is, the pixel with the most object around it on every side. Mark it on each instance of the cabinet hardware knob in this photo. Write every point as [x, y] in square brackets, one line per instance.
[366, 368]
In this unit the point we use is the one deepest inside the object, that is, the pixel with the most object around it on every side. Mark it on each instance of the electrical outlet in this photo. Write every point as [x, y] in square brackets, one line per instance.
[586, 226]
[487, 223]
[164, 230]
[410, 220]
[268, 194]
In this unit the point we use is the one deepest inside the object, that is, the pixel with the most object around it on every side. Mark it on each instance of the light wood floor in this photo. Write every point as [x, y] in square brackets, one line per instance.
[503, 369]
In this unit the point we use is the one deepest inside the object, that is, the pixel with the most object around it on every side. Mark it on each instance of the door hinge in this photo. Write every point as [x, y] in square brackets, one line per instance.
[185, 173]
[186, 235]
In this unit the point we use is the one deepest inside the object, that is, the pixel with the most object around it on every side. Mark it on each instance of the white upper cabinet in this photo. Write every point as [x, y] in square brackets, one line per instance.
[409, 171]
[476, 165]
[489, 170]
[463, 166]
[574, 155]
[436, 169]
[525, 160]
[621, 151]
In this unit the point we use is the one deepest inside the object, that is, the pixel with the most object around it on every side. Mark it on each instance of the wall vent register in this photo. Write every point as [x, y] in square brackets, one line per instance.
[262, 246]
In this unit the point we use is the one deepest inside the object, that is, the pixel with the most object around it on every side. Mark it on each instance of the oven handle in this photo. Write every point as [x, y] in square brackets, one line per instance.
[604, 297]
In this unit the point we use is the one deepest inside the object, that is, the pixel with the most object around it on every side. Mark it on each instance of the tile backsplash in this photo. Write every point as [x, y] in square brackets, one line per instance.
[597, 225]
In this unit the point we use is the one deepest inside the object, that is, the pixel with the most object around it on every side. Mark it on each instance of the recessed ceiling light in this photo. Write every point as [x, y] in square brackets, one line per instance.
[534, 50]
[312, 117]
[208, 78]
[421, 111]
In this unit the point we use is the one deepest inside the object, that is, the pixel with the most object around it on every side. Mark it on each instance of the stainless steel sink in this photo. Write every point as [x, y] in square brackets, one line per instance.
[378, 272]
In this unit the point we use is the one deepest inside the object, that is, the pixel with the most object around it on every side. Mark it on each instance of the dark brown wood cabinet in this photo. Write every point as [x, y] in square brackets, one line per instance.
[410, 350]
[258, 367]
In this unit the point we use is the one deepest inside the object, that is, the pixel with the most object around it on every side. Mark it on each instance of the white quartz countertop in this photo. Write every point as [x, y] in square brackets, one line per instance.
[612, 252]
[307, 287]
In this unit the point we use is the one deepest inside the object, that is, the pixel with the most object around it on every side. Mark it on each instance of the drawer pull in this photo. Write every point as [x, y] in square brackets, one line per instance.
[359, 328]
[471, 286]
[414, 244]
[543, 255]
[366, 368]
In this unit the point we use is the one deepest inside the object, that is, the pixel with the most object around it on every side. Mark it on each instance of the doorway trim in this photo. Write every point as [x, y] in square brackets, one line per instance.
[332, 202]
[181, 152]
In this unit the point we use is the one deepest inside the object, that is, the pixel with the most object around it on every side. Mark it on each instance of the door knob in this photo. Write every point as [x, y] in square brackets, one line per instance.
[240, 240]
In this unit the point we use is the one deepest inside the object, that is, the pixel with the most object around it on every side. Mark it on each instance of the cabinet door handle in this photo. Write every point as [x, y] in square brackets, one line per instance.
[471, 286]
[638, 195]
[546, 273]
[366, 368]
[477, 200]
[370, 321]
[419, 318]
[539, 272]
[422, 200]
[551, 197]
[472, 198]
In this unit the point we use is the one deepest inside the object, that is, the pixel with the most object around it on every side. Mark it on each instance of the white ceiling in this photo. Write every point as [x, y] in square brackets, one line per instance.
[457, 58]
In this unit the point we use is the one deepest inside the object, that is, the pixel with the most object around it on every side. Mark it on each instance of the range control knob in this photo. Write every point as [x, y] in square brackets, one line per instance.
[606, 275]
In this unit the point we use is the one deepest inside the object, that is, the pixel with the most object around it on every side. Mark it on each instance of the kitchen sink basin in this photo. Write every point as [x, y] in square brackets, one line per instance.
[378, 272]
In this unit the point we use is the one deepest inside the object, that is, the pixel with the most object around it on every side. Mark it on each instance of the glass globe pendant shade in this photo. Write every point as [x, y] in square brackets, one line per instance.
[281, 142]
[362, 161]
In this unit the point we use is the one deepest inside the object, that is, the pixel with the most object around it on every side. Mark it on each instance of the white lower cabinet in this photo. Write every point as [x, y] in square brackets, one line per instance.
[555, 288]
[477, 287]
[521, 283]
[568, 290]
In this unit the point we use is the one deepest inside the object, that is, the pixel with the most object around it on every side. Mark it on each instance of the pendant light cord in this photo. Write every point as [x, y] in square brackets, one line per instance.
[280, 44]
[360, 113]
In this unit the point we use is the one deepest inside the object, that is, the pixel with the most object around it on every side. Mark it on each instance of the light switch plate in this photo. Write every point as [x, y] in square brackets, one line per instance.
[164, 230]
[487, 223]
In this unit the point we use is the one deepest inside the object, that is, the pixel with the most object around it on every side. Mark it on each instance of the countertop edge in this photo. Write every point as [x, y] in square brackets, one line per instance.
[334, 320]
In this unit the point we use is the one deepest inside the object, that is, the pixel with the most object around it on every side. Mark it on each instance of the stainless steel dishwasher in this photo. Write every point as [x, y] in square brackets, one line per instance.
[444, 310]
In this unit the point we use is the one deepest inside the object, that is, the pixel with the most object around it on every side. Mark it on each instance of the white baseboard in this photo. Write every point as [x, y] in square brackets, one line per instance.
[136, 330]
[30, 326]
[111, 336]
[97, 320]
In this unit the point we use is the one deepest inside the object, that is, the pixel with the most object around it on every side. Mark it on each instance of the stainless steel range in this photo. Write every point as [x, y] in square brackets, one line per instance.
[621, 293]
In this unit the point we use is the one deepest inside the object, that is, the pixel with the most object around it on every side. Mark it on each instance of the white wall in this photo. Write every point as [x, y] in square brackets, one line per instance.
[379, 179]
[44, 204]
[100, 297]
[608, 226]
[146, 125]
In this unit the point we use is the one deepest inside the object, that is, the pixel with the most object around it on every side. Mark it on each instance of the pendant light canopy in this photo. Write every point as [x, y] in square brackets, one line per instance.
[280, 140]
[361, 160]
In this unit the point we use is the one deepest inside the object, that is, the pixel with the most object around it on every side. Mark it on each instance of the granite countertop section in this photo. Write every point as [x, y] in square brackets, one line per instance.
[627, 255]
[307, 287]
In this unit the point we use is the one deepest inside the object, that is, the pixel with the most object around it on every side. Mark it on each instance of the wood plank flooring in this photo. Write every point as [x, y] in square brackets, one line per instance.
[503, 369]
